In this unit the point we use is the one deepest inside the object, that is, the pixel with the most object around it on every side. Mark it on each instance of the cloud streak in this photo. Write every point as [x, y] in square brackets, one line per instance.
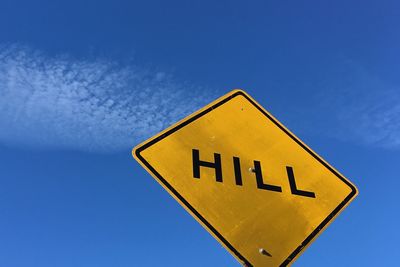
[102, 106]
[359, 107]
[90, 105]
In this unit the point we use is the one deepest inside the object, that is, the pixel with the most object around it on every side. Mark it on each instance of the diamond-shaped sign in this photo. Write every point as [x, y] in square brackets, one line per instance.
[259, 190]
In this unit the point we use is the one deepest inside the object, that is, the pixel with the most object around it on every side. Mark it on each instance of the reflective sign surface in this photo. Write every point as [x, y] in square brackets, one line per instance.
[248, 180]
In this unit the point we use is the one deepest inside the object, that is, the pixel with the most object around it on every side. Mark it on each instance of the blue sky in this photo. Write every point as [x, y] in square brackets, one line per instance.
[82, 82]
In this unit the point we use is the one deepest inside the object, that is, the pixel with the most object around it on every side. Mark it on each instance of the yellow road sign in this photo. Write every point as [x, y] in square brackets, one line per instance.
[247, 179]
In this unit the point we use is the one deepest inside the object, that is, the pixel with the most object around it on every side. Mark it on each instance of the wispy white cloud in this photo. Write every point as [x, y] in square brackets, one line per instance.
[354, 105]
[373, 120]
[99, 105]
[92, 105]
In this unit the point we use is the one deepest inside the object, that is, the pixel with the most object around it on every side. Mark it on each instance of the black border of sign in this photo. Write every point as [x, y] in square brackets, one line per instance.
[203, 220]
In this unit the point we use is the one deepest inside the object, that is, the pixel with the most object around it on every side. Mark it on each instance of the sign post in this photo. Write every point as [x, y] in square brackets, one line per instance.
[258, 189]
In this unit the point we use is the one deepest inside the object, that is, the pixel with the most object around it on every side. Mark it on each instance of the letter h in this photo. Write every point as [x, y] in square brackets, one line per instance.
[197, 163]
